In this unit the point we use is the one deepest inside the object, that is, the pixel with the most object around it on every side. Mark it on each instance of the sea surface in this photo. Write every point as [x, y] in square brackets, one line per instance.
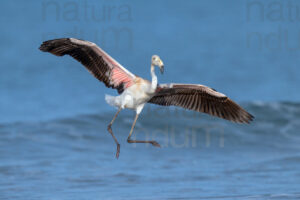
[54, 143]
[200, 158]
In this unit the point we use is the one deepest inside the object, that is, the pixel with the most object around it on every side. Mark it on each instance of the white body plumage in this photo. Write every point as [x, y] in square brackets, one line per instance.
[134, 97]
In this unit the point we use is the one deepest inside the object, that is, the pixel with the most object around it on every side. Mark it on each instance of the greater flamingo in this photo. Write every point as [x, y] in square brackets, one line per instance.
[135, 91]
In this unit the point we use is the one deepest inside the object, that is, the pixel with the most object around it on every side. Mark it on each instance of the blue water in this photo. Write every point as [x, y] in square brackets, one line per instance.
[53, 138]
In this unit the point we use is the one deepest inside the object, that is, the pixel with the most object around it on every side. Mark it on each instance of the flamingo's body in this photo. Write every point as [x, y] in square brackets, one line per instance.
[135, 92]
[134, 97]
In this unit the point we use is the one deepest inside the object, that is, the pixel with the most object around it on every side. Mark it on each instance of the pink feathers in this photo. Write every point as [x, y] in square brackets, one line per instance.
[118, 77]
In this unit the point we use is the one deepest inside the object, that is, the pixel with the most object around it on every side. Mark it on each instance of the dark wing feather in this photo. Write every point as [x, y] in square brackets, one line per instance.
[202, 99]
[97, 61]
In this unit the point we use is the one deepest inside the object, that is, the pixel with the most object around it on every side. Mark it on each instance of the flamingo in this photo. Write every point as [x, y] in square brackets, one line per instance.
[135, 92]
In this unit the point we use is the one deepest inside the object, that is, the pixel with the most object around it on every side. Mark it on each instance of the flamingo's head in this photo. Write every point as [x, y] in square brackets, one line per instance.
[156, 61]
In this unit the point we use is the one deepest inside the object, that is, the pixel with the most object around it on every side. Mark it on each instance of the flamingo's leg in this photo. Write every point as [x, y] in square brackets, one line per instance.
[110, 131]
[154, 143]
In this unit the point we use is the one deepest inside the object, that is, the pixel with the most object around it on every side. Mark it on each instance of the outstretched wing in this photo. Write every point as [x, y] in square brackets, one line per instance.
[202, 99]
[97, 61]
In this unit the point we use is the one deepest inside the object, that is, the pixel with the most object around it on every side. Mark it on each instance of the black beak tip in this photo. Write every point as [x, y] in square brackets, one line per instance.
[162, 69]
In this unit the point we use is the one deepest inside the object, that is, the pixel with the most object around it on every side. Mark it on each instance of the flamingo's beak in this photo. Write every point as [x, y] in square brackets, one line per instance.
[161, 66]
[161, 69]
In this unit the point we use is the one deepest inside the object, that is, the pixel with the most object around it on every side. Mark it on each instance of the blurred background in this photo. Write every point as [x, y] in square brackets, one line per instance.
[53, 138]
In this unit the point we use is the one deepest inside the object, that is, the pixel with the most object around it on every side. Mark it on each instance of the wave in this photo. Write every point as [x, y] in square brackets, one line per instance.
[275, 126]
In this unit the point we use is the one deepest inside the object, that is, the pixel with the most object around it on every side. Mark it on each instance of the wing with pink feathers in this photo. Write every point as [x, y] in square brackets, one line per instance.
[97, 61]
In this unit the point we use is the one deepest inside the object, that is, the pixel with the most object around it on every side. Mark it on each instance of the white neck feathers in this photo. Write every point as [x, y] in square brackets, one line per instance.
[154, 78]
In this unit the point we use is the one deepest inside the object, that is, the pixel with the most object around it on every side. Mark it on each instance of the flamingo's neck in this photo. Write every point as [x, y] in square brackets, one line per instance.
[154, 78]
